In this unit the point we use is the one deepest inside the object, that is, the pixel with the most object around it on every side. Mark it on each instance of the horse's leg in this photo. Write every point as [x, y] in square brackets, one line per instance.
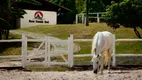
[102, 62]
[95, 65]
[94, 68]
[109, 59]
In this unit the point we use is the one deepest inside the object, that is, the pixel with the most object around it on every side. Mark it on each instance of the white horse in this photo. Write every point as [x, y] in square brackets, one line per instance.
[102, 43]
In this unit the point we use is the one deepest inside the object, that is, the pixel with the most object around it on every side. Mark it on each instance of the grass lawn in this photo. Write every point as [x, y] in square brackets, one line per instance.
[80, 31]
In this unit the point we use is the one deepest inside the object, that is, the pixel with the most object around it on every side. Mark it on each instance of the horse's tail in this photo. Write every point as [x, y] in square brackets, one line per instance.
[106, 58]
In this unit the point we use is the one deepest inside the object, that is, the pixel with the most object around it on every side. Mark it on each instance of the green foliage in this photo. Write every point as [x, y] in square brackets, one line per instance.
[96, 6]
[80, 5]
[2, 21]
[108, 2]
[126, 13]
[70, 4]
[69, 17]
[9, 13]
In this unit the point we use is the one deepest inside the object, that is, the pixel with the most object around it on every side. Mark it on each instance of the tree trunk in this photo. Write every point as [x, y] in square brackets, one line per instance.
[7, 33]
[0, 34]
[87, 13]
[137, 32]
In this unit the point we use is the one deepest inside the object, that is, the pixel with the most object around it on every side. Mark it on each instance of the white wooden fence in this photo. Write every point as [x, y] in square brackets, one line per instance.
[121, 54]
[95, 16]
[63, 47]
[47, 50]
[114, 55]
[59, 48]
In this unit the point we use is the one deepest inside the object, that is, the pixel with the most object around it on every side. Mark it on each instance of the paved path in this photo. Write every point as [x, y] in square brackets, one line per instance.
[29, 34]
[39, 36]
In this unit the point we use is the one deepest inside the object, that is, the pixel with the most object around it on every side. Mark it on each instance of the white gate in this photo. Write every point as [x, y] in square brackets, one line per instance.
[48, 47]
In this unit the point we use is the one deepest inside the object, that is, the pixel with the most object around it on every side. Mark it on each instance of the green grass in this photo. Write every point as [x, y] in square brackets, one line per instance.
[80, 31]
[129, 47]
[51, 68]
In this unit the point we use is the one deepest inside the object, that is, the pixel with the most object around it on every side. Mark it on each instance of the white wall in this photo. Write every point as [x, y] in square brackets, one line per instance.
[50, 17]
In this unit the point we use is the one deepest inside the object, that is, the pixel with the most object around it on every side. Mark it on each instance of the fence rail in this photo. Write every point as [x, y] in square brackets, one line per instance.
[11, 56]
[96, 16]
[128, 39]
[74, 40]
[130, 54]
[114, 53]
[13, 40]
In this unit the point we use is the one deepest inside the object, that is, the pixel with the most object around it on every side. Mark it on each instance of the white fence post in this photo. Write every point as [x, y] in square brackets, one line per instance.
[76, 18]
[113, 55]
[83, 21]
[48, 51]
[70, 50]
[98, 19]
[24, 50]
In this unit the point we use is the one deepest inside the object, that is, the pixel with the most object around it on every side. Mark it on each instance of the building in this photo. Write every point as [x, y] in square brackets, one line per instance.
[46, 13]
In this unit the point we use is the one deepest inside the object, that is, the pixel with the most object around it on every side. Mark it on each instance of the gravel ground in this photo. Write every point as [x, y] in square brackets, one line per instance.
[8, 71]
[17, 74]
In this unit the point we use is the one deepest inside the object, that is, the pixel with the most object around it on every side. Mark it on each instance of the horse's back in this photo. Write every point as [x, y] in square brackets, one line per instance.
[108, 39]
[102, 40]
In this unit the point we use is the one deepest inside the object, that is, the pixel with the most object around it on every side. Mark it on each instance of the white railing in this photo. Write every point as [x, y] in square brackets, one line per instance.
[114, 53]
[95, 15]
[11, 56]
[47, 52]
[24, 50]
[121, 54]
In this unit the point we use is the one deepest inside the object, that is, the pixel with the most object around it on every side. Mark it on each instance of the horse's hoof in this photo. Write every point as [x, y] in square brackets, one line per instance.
[95, 71]
[109, 72]
[101, 73]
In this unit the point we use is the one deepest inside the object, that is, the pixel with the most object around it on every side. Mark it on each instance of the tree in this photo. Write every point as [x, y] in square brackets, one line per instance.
[8, 12]
[127, 13]
[108, 2]
[70, 4]
[80, 5]
[96, 6]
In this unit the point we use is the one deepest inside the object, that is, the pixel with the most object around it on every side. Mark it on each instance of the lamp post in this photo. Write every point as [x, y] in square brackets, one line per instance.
[87, 22]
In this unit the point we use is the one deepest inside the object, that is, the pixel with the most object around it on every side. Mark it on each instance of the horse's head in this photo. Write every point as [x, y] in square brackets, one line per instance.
[96, 63]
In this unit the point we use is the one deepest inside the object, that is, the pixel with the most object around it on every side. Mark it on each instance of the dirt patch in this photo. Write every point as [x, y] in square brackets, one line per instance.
[10, 71]
[77, 73]
[70, 75]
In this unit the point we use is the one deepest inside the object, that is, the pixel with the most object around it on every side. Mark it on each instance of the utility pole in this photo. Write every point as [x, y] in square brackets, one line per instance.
[87, 10]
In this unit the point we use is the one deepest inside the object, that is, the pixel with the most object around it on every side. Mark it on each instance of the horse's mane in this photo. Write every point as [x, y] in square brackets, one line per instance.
[95, 41]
